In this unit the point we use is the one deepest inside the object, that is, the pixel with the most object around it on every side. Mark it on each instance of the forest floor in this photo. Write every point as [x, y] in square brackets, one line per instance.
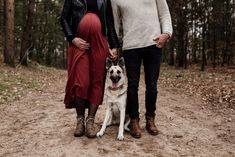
[195, 115]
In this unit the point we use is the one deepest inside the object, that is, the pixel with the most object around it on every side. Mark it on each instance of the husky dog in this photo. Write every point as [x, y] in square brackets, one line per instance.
[115, 95]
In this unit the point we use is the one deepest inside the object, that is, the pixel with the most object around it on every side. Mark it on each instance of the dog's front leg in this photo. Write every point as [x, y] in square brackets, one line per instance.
[121, 125]
[107, 116]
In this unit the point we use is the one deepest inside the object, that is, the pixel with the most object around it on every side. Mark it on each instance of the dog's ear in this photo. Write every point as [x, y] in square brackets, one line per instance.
[121, 62]
[109, 63]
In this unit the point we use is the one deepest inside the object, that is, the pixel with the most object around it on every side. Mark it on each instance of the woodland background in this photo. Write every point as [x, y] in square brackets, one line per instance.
[204, 33]
[196, 103]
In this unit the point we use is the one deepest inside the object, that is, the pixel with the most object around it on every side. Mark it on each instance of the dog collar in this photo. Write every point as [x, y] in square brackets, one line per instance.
[114, 89]
[122, 88]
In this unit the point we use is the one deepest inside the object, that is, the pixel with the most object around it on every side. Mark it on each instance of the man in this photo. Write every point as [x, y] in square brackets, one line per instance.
[146, 26]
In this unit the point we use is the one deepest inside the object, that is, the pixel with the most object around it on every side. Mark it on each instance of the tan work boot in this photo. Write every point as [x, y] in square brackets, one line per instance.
[135, 130]
[150, 126]
[91, 128]
[80, 129]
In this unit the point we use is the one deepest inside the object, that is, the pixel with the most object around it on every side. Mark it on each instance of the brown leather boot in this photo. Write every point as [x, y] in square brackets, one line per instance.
[150, 126]
[91, 128]
[135, 130]
[80, 128]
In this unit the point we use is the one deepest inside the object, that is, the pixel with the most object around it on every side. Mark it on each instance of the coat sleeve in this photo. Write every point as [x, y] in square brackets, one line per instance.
[111, 33]
[164, 17]
[65, 20]
[116, 16]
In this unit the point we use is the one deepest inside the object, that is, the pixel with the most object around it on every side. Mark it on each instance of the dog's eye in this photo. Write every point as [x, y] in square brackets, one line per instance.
[111, 72]
[119, 72]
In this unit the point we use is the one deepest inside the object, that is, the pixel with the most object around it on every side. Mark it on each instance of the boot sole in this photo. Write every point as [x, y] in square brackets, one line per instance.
[152, 133]
[135, 136]
[91, 136]
[78, 135]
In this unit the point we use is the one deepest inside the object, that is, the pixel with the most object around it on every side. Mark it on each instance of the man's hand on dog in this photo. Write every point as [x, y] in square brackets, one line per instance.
[113, 53]
[161, 40]
[80, 43]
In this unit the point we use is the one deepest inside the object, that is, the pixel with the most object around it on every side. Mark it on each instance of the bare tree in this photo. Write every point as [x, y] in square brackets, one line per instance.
[9, 52]
[27, 42]
[1, 25]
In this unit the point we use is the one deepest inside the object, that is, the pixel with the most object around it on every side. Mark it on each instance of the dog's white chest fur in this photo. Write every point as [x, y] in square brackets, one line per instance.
[116, 100]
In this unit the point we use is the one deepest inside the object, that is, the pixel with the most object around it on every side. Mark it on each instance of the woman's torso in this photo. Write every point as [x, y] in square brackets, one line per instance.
[74, 11]
[80, 7]
[92, 6]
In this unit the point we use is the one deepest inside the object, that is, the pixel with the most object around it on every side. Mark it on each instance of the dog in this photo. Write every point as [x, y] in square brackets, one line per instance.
[115, 96]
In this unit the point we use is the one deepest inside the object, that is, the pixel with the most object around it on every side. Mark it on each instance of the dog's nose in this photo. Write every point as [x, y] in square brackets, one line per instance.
[115, 79]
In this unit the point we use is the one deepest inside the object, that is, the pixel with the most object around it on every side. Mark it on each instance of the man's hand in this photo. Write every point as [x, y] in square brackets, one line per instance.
[113, 54]
[80, 43]
[161, 40]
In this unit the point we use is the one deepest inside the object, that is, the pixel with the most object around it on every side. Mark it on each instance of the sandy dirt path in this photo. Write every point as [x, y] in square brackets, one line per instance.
[39, 126]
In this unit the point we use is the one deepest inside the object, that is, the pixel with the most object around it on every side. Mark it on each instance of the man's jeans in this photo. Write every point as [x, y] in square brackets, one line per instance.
[151, 57]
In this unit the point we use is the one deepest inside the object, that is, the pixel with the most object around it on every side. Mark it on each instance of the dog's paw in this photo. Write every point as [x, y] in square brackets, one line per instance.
[100, 134]
[120, 137]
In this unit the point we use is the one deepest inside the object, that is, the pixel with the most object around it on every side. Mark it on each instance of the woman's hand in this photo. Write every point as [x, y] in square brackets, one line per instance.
[113, 54]
[161, 40]
[80, 43]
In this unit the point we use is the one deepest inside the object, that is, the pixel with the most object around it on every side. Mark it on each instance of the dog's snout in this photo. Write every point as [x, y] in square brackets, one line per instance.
[115, 79]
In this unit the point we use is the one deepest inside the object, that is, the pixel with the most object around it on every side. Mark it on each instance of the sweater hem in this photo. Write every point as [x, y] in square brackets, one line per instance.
[137, 47]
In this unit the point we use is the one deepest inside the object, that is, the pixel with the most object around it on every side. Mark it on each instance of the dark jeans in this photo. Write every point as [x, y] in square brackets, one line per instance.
[151, 57]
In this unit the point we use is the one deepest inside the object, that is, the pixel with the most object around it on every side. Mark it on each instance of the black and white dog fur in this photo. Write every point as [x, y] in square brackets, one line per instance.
[115, 96]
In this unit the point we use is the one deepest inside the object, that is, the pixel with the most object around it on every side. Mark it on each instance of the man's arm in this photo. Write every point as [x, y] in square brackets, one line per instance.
[116, 16]
[164, 17]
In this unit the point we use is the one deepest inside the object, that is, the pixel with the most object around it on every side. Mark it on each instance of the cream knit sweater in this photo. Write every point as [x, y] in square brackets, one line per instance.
[142, 21]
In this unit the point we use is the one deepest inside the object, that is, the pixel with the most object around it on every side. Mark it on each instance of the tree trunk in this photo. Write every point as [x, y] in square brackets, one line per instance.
[172, 57]
[2, 30]
[194, 47]
[203, 48]
[9, 57]
[186, 52]
[27, 34]
[180, 43]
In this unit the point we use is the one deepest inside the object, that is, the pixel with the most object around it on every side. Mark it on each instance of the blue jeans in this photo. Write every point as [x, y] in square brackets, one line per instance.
[151, 57]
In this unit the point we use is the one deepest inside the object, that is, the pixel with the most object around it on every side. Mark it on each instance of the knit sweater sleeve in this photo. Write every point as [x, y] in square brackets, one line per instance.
[164, 17]
[116, 16]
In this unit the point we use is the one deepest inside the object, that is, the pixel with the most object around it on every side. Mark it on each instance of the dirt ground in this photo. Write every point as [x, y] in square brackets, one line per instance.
[37, 125]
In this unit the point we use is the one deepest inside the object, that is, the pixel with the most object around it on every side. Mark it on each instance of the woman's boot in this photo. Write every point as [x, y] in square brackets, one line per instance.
[80, 109]
[91, 127]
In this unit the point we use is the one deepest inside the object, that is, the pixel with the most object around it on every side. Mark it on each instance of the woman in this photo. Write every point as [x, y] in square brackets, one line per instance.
[87, 24]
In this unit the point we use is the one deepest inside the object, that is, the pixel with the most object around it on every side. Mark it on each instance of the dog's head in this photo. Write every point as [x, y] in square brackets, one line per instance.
[116, 75]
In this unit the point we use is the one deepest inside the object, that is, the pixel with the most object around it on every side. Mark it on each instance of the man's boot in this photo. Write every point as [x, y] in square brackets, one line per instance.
[150, 126]
[135, 130]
